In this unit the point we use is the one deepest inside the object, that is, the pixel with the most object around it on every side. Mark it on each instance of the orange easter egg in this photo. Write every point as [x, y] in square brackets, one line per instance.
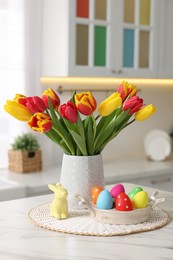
[95, 193]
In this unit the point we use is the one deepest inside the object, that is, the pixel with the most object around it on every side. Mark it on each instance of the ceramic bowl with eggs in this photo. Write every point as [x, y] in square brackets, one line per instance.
[117, 207]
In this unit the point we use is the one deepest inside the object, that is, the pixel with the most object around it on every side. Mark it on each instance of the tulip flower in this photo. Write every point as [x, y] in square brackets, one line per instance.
[21, 99]
[35, 104]
[69, 111]
[126, 89]
[40, 122]
[53, 98]
[85, 103]
[17, 110]
[133, 104]
[145, 113]
[107, 106]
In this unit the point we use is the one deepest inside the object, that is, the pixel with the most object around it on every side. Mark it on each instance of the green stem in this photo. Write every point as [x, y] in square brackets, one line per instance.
[94, 125]
[97, 117]
[65, 141]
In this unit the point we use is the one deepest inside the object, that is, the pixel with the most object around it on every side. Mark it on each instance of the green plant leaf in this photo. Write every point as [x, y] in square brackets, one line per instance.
[89, 132]
[122, 123]
[25, 142]
[80, 142]
[107, 133]
[104, 122]
[80, 127]
[60, 130]
[77, 133]
[58, 140]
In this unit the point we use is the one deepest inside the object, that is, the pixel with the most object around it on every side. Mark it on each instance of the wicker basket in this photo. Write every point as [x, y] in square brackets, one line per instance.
[24, 161]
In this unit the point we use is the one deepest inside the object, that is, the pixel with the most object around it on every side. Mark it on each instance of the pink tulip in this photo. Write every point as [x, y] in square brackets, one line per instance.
[35, 104]
[69, 111]
[133, 104]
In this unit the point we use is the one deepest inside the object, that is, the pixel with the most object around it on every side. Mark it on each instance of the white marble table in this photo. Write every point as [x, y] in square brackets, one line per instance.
[21, 239]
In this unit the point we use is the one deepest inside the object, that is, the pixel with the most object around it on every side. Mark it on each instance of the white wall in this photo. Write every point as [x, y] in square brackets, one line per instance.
[130, 141]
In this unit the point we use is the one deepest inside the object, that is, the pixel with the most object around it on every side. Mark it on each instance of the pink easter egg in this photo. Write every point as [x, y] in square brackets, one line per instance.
[116, 190]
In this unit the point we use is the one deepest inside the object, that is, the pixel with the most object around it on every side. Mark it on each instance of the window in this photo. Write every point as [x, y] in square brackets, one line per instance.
[19, 61]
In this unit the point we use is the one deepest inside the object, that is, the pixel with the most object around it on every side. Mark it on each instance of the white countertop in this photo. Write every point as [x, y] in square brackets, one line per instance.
[119, 170]
[21, 239]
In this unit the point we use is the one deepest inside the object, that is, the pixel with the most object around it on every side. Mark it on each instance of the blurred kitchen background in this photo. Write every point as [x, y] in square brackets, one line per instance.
[87, 45]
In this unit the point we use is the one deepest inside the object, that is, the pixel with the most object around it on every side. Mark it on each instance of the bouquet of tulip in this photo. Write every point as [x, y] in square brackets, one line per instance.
[75, 134]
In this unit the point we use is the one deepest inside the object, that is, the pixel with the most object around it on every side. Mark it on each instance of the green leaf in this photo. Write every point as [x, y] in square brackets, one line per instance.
[123, 123]
[77, 133]
[89, 132]
[58, 140]
[112, 129]
[104, 122]
[80, 141]
[107, 133]
[60, 130]
[73, 98]
[80, 127]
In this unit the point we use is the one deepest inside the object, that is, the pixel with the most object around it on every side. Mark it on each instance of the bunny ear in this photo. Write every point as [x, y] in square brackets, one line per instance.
[58, 184]
[52, 187]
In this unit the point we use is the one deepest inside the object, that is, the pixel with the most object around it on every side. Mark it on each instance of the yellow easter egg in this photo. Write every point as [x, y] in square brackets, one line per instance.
[140, 200]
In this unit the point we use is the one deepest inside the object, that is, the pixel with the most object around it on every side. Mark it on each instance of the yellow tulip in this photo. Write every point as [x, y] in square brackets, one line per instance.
[145, 113]
[107, 106]
[17, 110]
[19, 98]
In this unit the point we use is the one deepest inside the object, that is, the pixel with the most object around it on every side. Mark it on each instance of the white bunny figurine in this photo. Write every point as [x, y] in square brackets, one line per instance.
[59, 205]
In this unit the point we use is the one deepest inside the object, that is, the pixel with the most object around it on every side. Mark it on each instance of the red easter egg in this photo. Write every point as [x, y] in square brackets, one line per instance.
[95, 193]
[123, 203]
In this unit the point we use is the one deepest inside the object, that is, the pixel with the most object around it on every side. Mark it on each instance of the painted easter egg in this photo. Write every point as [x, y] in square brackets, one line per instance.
[95, 193]
[123, 203]
[116, 190]
[104, 200]
[134, 191]
[140, 200]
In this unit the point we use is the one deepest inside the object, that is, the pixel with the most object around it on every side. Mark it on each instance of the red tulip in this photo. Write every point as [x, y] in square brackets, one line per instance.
[53, 98]
[125, 89]
[133, 103]
[40, 122]
[69, 111]
[85, 103]
[35, 104]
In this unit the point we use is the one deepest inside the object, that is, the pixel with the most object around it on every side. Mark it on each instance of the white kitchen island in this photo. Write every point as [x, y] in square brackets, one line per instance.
[21, 239]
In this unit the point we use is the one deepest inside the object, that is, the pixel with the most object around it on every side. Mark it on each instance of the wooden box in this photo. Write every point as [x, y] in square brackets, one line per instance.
[24, 161]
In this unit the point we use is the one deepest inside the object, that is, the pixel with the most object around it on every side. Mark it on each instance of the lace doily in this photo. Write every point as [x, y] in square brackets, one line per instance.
[80, 223]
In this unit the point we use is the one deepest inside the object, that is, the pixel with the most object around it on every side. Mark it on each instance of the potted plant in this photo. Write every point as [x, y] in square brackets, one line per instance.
[25, 155]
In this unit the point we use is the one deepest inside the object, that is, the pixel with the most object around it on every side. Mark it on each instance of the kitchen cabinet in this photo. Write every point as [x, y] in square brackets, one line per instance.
[165, 42]
[100, 38]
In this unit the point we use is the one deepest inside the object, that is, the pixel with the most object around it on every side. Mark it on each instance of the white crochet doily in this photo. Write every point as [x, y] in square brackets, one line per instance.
[80, 223]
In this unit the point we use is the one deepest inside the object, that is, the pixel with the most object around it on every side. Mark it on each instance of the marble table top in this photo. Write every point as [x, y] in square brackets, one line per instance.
[21, 239]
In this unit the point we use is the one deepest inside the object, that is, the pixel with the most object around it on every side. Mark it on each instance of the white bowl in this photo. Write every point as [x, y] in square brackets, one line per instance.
[115, 217]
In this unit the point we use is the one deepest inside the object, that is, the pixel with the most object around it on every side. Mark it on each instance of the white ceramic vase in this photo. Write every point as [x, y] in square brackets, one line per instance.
[79, 174]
